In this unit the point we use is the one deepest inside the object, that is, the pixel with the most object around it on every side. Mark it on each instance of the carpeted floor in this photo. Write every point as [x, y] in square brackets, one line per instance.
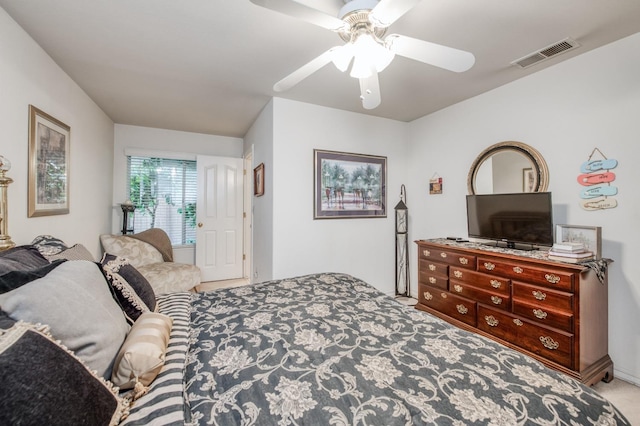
[624, 395]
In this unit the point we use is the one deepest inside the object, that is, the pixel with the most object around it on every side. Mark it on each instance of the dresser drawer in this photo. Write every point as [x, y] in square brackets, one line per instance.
[498, 300]
[434, 268]
[556, 319]
[491, 283]
[433, 280]
[554, 345]
[544, 297]
[446, 256]
[557, 279]
[449, 304]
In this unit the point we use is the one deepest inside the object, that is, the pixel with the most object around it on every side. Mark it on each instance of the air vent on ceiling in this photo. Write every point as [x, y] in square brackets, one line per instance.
[546, 53]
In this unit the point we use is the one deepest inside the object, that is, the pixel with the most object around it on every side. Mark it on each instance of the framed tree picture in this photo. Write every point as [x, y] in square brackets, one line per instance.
[349, 185]
[48, 192]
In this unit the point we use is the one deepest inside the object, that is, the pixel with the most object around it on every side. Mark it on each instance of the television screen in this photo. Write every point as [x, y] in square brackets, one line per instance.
[513, 218]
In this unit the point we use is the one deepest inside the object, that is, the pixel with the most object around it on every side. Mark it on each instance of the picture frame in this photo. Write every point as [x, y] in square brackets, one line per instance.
[528, 180]
[48, 180]
[348, 185]
[258, 180]
[590, 236]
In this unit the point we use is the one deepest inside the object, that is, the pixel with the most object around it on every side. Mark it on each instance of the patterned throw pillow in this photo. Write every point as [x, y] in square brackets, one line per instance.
[130, 288]
[41, 382]
[48, 245]
[143, 353]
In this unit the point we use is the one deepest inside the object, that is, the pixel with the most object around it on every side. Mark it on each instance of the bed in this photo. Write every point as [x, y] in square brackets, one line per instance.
[331, 349]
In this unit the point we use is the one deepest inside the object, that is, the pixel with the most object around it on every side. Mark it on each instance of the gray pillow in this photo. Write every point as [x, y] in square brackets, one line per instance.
[75, 301]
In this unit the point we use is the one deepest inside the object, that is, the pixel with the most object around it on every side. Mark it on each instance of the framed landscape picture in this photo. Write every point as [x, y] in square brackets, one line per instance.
[48, 164]
[349, 185]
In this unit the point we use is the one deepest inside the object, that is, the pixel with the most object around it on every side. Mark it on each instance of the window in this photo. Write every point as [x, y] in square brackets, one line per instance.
[164, 193]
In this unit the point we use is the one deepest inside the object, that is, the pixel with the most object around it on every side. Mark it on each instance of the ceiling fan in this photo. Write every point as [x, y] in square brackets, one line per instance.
[362, 24]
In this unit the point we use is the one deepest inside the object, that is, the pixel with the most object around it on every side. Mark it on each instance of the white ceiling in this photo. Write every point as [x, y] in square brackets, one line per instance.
[208, 66]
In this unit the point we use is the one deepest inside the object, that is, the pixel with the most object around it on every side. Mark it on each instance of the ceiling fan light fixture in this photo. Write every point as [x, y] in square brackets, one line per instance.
[369, 54]
[342, 56]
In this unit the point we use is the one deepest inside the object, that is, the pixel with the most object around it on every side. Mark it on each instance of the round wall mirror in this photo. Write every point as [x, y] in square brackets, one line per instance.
[508, 167]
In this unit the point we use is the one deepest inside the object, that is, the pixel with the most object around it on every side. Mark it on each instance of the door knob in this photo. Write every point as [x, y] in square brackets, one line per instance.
[199, 224]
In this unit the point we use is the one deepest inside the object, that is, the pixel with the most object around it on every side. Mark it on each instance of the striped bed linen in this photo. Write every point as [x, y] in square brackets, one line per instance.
[164, 404]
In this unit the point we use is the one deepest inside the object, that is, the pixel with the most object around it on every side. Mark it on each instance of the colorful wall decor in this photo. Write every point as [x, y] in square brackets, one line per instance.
[435, 184]
[596, 177]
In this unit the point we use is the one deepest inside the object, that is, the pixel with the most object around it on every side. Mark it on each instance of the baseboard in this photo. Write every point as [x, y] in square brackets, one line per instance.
[626, 377]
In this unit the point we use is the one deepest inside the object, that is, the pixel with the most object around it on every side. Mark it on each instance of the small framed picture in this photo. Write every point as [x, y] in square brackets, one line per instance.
[590, 236]
[258, 180]
[48, 192]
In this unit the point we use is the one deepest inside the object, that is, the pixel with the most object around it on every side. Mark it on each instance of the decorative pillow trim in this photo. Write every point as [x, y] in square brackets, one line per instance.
[131, 289]
[10, 336]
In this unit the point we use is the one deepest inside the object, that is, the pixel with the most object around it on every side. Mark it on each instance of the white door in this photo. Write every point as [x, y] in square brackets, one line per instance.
[219, 213]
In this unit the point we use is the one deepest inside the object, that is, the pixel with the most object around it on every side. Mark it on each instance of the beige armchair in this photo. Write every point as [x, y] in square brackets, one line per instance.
[150, 252]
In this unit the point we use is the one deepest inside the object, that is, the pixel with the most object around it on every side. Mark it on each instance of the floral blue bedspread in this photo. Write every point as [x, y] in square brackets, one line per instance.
[329, 349]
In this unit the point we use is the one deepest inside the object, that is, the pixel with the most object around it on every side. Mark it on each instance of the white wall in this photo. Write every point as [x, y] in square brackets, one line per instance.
[259, 139]
[29, 76]
[564, 112]
[364, 248]
[147, 139]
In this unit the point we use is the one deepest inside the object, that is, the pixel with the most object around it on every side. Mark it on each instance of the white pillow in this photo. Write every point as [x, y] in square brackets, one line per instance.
[137, 252]
[143, 353]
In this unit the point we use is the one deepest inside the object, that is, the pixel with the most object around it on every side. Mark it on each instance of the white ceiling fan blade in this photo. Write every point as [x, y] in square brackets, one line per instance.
[430, 53]
[305, 13]
[370, 91]
[388, 11]
[305, 71]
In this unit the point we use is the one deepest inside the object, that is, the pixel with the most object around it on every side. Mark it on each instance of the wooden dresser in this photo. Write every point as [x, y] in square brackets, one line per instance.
[555, 312]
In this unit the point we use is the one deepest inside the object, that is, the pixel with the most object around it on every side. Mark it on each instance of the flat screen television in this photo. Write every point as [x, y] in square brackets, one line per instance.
[522, 218]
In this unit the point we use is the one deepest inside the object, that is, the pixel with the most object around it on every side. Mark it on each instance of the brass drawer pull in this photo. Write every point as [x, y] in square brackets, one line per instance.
[428, 295]
[457, 288]
[457, 274]
[443, 255]
[491, 320]
[517, 269]
[539, 313]
[426, 253]
[432, 280]
[495, 283]
[464, 260]
[496, 300]
[539, 295]
[489, 266]
[443, 295]
[432, 267]
[552, 278]
[462, 309]
[549, 343]
[517, 322]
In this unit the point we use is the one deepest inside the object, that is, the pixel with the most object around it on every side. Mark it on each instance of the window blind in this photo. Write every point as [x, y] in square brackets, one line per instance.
[164, 192]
